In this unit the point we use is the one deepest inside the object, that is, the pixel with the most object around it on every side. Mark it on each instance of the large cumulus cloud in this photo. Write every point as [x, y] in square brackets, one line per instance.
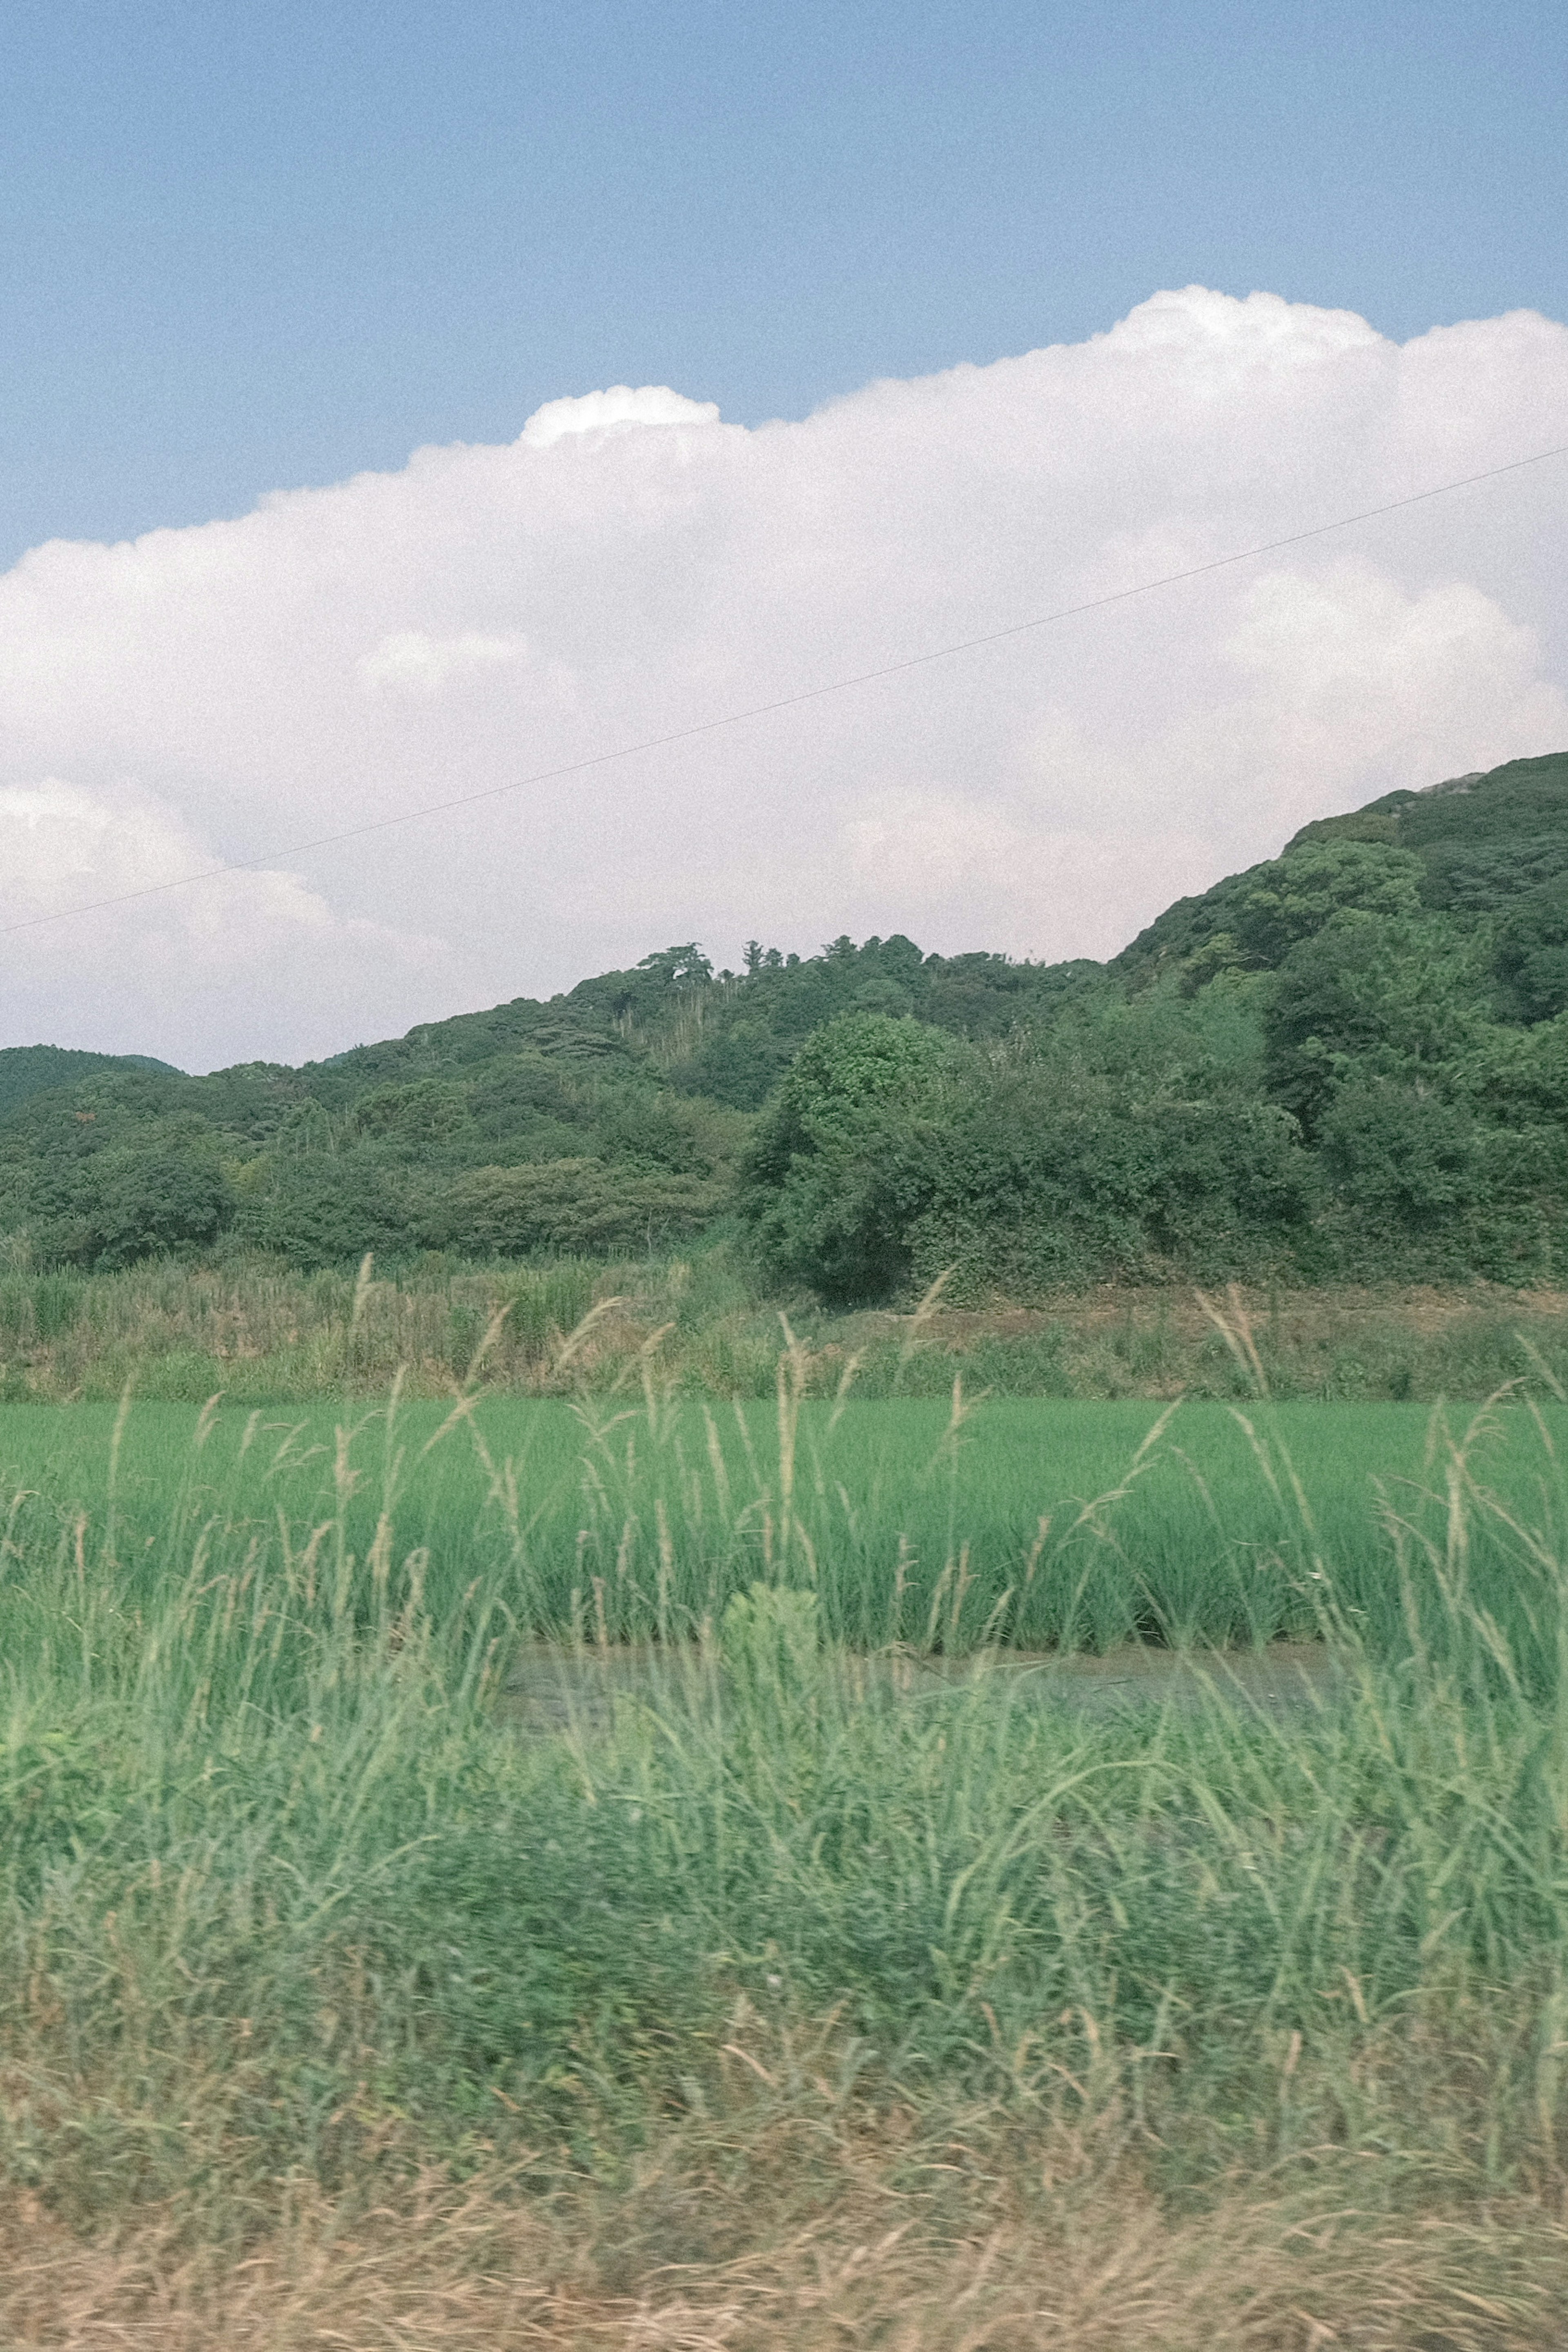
[632, 564]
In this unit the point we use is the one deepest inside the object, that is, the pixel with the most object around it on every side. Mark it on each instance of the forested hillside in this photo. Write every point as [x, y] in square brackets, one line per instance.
[1349, 1061]
[34, 1069]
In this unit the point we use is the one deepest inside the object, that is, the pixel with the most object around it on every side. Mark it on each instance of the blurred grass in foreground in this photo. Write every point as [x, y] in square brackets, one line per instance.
[782, 1996]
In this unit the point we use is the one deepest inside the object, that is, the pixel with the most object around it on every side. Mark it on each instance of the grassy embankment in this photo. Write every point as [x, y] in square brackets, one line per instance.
[264, 1334]
[780, 2000]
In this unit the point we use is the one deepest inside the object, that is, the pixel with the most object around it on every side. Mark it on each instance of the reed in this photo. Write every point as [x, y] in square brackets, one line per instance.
[264, 1333]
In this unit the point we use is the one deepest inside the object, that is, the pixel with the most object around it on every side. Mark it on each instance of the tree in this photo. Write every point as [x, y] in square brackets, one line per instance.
[817, 1192]
[683, 967]
[1396, 997]
[1532, 953]
[154, 1206]
[1051, 1174]
[429, 1112]
[1292, 897]
[322, 1209]
[573, 1206]
[1405, 1164]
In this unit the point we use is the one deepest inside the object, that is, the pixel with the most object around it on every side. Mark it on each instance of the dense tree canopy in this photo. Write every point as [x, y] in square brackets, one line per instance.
[1351, 1059]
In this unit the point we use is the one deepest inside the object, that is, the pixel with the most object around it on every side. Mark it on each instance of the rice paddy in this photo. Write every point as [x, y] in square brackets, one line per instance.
[644, 1870]
[1029, 1523]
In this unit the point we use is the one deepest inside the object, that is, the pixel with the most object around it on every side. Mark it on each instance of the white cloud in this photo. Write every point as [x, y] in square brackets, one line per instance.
[632, 566]
[408, 662]
[595, 411]
[214, 956]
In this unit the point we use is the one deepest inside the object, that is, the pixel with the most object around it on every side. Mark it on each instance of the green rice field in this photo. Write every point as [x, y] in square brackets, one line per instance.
[1027, 1523]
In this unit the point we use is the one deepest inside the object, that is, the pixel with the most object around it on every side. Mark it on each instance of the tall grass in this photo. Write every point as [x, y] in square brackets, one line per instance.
[267, 1334]
[775, 1950]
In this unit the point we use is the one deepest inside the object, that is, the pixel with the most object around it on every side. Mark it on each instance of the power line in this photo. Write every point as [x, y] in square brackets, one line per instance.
[783, 702]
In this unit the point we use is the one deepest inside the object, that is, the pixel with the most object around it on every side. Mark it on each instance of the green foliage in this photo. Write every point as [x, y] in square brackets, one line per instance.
[146, 1205]
[1046, 1179]
[770, 1639]
[740, 1065]
[426, 1112]
[1340, 1095]
[1291, 899]
[663, 1134]
[573, 1206]
[1532, 953]
[1407, 1171]
[1128, 1140]
[1344, 1061]
[1521, 1076]
[1398, 997]
[28, 1070]
[326, 1209]
[1480, 843]
[824, 1195]
[853, 1072]
[1253, 920]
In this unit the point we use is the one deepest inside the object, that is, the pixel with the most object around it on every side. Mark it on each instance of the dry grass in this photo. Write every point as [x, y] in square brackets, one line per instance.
[1337, 1340]
[979, 2265]
[1305, 1316]
[261, 1332]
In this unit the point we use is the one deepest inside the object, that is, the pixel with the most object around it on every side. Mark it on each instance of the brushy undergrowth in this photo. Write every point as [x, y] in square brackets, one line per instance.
[784, 1993]
[264, 1333]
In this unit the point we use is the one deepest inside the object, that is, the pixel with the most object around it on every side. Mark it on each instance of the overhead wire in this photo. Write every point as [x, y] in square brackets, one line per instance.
[276, 858]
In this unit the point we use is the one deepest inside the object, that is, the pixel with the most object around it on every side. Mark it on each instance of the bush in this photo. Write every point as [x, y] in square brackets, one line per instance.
[1048, 1176]
[892, 1154]
[328, 1209]
[1403, 999]
[1532, 953]
[828, 1192]
[576, 1206]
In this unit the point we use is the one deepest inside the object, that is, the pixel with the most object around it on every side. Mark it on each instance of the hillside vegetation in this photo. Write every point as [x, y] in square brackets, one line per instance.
[1348, 1063]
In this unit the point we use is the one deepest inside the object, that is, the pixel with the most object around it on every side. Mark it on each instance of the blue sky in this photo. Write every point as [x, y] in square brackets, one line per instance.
[1052, 302]
[252, 245]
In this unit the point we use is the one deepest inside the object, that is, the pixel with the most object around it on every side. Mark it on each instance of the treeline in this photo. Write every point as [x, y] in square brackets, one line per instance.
[609, 1122]
[1349, 1061]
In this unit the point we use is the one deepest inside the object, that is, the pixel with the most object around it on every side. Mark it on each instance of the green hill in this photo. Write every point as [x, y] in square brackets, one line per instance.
[1350, 1060]
[1486, 845]
[34, 1069]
